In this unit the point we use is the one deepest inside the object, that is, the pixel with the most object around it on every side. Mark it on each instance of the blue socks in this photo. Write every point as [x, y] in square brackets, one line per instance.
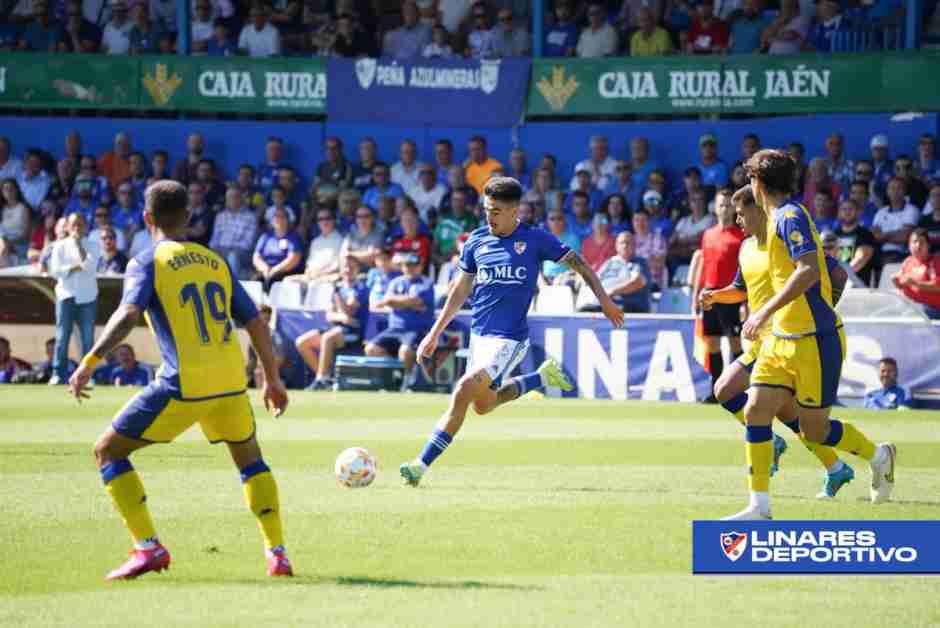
[525, 383]
[794, 425]
[435, 447]
[735, 404]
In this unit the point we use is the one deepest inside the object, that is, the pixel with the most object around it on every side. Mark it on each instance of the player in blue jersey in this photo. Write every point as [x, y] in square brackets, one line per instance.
[503, 260]
[190, 298]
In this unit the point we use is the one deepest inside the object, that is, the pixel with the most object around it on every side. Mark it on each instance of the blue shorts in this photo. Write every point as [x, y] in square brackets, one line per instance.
[351, 335]
[156, 414]
[393, 339]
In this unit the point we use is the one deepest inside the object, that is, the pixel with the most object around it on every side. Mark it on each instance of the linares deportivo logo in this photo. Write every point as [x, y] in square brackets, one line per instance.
[370, 72]
[733, 545]
[161, 86]
[520, 247]
[559, 90]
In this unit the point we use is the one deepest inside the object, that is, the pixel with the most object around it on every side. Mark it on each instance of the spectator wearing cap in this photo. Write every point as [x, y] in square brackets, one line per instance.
[128, 371]
[144, 35]
[599, 38]
[103, 223]
[273, 161]
[364, 239]
[599, 246]
[10, 166]
[479, 166]
[507, 40]
[650, 39]
[428, 195]
[713, 170]
[78, 34]
[410, 299]
[894, 222]
[930, 222]
[881, 163]
[278, 251]
[112, 260]
[405, 171]
[856, 244]
[561, 38]
[334, 168]
[927, 165]
[41, 34]
[890, 396]
[650, 246]
[659, 221]
[558, 226]
[626, 278]
[116, 37]
[408, 40]
[709, 34]
[34, 182]
[259, 38]
[382, 187]
[221, 44]
[362, 169]
[115, 163]
[600, 166]
[687, 237]
[828, 21]
[234, 232]
[818, 179]
[747, 25]
[916, 189]
[14, 220]
[919, 277]
[786, 33]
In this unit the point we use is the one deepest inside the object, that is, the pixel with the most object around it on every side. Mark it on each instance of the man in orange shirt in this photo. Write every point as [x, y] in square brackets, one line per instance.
[115, 164]
[480, 166]
[919, 278]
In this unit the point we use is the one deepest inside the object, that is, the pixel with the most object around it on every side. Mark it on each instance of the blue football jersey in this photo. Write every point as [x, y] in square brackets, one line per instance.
[408, 319]
[507, 270]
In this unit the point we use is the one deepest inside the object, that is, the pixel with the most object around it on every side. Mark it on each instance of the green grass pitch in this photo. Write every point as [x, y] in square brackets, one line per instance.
[544, 513]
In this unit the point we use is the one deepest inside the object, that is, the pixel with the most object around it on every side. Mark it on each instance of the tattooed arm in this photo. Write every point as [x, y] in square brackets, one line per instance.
[574, 261]
[119, 326]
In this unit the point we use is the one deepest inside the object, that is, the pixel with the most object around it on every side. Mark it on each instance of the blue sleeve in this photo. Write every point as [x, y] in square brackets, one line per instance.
[259, 246]
[295, 245]
[904, 398]
[138, 284]
[870, 402]
[468, 262]
[427, 295]
[550, 247]
[793, 227]
[739, 282]
[243, 308]
[831, 264]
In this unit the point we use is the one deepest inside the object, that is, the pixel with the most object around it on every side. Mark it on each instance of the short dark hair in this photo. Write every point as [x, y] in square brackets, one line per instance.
[727, 191]
[478, 138]
[446, 142]
[744, 197]
[248, 166]
[166, 200]
[4, 341]
[858, 182]
[775, 169]
[920, 232]
[825, 192]
[504, 189]
[162, 153]
[888, 360]
[128, 347]
[751, 136]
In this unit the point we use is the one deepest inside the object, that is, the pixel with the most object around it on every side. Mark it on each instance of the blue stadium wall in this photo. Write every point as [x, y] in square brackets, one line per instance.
[675, 143]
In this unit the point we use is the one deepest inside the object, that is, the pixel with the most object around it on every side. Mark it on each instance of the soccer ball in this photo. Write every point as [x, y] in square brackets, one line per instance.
[355, 468]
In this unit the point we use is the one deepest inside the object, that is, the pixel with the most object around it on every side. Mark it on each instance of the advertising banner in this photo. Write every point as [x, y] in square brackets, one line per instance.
[434, 92]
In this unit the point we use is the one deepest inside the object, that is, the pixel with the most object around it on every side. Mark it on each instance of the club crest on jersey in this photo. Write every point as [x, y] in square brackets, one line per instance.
[796, 238]
[733, 544]
[520, 247]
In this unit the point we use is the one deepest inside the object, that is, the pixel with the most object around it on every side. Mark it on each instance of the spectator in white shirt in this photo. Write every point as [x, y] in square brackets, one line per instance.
[786, 33]
[74, 261]
[10, 166]
[601, 166]
[116, 38]
[599, 39]
[894, 222]
[405, 171]
[440, 47]
[33, 180]
[202, 26]
[259, 38]
[234, 232]
[323, 258]
[14, 225]
[408, 40]
[428, 194]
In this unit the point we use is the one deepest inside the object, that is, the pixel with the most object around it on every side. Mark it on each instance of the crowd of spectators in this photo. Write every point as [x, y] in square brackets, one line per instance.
[454, 28]
[120, 369]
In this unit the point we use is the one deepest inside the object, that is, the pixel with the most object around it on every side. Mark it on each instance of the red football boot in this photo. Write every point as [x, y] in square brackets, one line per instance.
[140, 562]
[278, 565]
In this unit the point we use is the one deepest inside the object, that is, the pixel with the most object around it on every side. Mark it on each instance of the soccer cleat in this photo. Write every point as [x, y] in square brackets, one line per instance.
[751, 513]
[278, 564]
[552, 375]
[411, 473]
[882, 475]
[140, 562]
[318, 384]
[780, 448]
[835, 481]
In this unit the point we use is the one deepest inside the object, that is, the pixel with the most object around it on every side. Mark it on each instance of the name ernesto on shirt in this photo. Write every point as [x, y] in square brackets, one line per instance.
[192, 257]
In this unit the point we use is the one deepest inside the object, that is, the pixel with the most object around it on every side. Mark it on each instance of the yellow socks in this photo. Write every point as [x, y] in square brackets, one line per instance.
[846, 437]
[127, 492]
[262, 499]
[760, 455]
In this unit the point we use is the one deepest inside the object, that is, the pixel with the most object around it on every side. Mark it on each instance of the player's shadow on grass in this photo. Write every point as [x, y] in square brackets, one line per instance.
[394, 583]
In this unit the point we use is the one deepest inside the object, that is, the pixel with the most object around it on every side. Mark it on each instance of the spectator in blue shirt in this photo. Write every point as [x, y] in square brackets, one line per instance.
[658, 216]
[890, 396]
[561, 40]
[747, 24]
[274, 161]
[714, 171]
[221, 44]
[411, 299]
[9, 37]
[128, 371]
[41, 34]
[580, 223]
[382, 187]
[641, 164]
[278, 252]
[145, 35]
[828, 22]
[83, 202]
[78, 34]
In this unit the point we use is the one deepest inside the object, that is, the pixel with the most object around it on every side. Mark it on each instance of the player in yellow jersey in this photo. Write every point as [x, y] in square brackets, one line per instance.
[190, 298]
[753, 284]
[802, 359]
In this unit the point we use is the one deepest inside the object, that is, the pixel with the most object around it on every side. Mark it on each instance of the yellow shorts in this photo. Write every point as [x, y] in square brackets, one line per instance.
[810, 367]
[749, 357]
[155, 415]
